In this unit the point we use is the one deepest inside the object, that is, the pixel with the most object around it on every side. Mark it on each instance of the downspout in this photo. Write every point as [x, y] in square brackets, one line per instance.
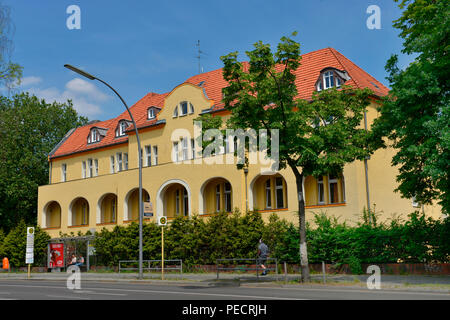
[246, 191]
[366, 170]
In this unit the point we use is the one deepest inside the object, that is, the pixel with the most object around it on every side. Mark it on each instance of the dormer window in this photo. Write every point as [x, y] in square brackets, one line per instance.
[94, 136]
[122, 127]
[151, 113]
[331, 77]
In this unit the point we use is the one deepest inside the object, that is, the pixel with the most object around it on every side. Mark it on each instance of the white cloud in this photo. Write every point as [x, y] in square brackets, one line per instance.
[85, 96]
[28, 81]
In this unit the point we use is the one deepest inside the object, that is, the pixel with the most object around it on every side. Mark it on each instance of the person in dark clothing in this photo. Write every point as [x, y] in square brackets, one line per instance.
[263, 253]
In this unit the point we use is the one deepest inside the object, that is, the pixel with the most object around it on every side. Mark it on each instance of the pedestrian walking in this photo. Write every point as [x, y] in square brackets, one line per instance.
[263, 253]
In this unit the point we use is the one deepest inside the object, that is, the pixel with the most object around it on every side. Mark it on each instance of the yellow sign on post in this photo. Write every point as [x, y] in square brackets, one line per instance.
[162, 221]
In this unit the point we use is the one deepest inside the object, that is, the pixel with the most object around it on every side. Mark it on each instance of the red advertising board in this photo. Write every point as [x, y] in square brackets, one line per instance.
[56, 258]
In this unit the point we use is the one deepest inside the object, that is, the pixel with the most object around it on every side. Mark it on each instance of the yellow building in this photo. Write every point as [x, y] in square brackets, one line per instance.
[94, 169]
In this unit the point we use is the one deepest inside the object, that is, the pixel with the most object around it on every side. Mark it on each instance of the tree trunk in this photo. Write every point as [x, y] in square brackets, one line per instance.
[302, 225]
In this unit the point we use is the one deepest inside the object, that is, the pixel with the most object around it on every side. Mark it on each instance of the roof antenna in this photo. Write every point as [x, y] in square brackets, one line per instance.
[200, 68]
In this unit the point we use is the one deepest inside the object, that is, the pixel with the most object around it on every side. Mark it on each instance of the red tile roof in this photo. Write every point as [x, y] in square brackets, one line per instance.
[212, 82]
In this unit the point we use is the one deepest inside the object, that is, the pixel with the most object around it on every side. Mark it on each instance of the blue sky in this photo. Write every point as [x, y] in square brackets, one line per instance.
[141, 46]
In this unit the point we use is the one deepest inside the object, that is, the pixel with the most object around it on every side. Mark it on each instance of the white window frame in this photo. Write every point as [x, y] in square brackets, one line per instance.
[151, 113]
[319, 185]
[185, 203]
[177, 202]
[125, 161]
[185, 149]
[113, 164]
[175, 152]
[175, 112]
[277, 187]
[113, 210]
[63, 172]
[218, 198]
[148, 155]
[155, 155]
[227, 193]
[329, 75]
[193, 148]
[90, 167]
[191, 108]
[181, 108]
[119, 161]
[83, 169]
[95, 167]
[268, 192]
[330, 181]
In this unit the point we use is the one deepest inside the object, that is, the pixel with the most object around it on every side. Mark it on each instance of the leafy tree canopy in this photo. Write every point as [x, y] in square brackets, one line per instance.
[29, 129]
[415, 117]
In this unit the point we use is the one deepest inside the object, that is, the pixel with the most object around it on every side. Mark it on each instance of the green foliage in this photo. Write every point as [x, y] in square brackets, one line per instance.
[29, 129]
[198, 240]
[14, 243]
[415, 116]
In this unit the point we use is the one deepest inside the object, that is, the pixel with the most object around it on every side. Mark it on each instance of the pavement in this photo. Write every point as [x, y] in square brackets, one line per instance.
[439, 283]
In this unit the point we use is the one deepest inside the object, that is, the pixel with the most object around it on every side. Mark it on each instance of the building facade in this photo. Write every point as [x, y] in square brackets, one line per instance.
[93, 181]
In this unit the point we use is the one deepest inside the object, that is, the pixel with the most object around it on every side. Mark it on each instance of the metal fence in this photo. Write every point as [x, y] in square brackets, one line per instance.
[152, 265]
[245, 265]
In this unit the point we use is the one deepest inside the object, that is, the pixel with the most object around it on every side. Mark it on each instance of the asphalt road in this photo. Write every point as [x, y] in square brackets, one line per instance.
[92, 290]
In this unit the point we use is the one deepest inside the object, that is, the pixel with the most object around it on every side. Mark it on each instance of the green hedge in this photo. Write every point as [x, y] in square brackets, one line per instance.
[201, 241]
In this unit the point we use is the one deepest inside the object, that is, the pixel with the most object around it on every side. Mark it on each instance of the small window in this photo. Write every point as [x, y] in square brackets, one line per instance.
[155, 155]
[328, 79]
[193, 148]
[227, 187]
[113, 167]
[63, 172]
[333, 189]
[184, 108]
[185, 203]
[95, 137]
[321, 191]
[184, 143]
[175, 156]
[175, 112]
[96, 167]
[148, 156]
[151, 113]
[125, 161]
[191, 108]
[218, 198]
[177, 202]
[83, 169]
[119, 161]
[279, 193]
[90, 168]
[268, 194]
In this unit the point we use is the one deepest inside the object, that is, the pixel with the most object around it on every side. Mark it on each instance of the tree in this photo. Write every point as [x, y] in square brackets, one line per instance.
[29, 129]
[316, 137]
[415, 116]
[10, 73]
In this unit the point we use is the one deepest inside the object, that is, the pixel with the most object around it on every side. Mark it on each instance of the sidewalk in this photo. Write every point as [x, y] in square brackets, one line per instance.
[409, 282]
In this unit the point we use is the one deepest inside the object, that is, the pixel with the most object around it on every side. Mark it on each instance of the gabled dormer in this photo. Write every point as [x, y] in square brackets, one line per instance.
[121, 127]
[152, 112]
[96, 134]
[182, 109]
[331, 77]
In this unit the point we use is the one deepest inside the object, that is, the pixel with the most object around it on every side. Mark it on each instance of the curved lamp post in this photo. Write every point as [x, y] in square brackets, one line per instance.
[141, 205]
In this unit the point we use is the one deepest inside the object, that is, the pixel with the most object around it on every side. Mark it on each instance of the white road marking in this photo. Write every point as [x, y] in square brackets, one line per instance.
[66, 297]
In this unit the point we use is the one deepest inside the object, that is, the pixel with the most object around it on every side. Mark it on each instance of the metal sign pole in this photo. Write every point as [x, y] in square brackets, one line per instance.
[162, 253]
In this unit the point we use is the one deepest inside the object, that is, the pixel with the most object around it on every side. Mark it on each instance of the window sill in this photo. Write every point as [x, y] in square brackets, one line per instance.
[326, 205]
[52, 228]
[273, 210]
[79, 226]
[106, 223]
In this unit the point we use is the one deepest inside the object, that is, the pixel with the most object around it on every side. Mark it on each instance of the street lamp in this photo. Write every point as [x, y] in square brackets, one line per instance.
[141, 205]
